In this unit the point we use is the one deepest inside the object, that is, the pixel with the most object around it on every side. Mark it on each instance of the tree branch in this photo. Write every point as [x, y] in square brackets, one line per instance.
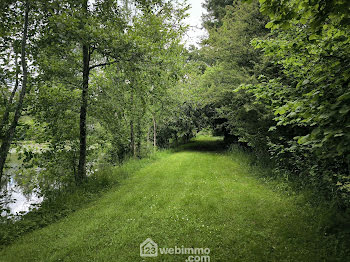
[103, 64]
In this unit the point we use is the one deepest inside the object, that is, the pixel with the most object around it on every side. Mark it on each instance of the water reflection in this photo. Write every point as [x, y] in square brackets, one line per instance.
[17, 198]
[20, 191]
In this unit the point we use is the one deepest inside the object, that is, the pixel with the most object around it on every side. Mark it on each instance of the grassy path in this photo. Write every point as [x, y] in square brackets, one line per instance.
[191, 198]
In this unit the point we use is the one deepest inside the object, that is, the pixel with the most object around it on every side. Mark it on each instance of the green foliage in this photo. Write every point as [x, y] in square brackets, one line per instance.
[136, 61]
[215, 12]
[312, 99]
[234, 62]
[285, 93]
[314, 13]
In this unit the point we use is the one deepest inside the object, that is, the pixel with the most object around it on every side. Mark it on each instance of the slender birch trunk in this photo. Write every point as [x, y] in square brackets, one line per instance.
[9, 134]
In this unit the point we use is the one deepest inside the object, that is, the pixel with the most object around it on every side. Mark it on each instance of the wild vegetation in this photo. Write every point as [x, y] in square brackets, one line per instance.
[93, 91]
[278, 80]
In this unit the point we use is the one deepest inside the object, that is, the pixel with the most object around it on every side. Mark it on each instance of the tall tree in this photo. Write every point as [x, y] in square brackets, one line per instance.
[216, 11]
[86, 48]
[97, 31]
[10, 132]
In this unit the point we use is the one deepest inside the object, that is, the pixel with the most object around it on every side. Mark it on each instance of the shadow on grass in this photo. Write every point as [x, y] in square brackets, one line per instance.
[204, 144]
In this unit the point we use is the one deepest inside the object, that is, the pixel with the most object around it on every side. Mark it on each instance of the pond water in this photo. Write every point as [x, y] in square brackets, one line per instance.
[15, 197]
[20, 192]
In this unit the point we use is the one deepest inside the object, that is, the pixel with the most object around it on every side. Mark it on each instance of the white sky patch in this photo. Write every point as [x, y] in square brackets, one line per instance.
[196, 31]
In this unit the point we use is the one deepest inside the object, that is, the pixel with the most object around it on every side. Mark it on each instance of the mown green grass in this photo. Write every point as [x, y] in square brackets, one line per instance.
[198, 196]
[60, 203]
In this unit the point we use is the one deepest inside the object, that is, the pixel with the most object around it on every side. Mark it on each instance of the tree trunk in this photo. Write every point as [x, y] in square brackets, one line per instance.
[139, 129]
[139, 137]
[6, 115]
[6, 143]
[154, 132]
[132, 135]
[132, 138]
[81, 174]
[148, 134]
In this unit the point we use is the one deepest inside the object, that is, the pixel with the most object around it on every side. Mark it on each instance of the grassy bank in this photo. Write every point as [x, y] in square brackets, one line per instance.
[60, 204]
[198, 196]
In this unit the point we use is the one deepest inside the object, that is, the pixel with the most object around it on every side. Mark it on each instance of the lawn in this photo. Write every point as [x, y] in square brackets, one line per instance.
[196, 197]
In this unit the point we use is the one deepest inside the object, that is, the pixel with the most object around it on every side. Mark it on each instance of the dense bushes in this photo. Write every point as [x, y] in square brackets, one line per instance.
[286, 92]
[313, 99]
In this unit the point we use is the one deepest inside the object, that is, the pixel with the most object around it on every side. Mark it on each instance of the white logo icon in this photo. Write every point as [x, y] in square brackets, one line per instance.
[148, 248]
